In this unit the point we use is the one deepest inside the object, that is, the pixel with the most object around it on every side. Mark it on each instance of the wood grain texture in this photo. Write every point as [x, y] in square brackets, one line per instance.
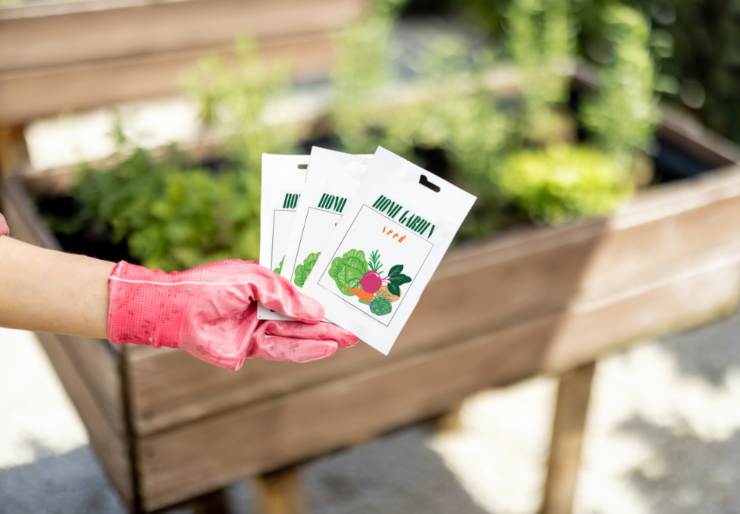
[106, 439]
[30, 36]
[569, 426]
[533, 272]
[315, 420]
[29, 94]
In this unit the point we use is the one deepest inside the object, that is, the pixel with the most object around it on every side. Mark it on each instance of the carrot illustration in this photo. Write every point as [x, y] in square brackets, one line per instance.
[361, 293]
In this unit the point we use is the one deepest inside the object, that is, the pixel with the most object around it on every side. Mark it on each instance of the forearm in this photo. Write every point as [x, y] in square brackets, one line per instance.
[52, 291]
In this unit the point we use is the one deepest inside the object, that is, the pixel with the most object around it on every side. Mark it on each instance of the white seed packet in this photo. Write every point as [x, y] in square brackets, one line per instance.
[332, 179]
[283, 180]
[391, 239]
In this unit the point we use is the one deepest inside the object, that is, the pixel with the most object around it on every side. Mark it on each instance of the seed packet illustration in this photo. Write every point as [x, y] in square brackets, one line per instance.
[283, 179]
[391, 239]
[332, 178]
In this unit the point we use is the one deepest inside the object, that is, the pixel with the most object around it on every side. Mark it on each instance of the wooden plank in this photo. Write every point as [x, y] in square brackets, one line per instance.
[284, 430]
[569, 426]
[13, 151]
[534, 273]
[101, 31]
[26, 95]
[22, 216]
[280, 492]
[109, 444]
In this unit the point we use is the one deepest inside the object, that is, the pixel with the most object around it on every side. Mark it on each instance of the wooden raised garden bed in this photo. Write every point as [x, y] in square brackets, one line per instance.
[168, 428]
[64, 56]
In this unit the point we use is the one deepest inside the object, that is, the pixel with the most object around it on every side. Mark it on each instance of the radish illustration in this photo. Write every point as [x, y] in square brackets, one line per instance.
[372, 281]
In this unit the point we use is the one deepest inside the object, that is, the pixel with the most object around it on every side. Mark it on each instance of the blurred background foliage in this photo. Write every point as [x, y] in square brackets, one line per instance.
[536, 156]
[696, 46]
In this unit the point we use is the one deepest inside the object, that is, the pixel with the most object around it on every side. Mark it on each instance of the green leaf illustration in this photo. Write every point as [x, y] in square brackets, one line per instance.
[303, 270]
[394, 289]
[280, 266]
[395, 270]
[380, 307]
[374, 262]
[348, 269]
[399, 279]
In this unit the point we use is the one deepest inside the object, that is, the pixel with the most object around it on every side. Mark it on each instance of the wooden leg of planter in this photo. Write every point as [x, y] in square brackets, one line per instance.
[13, 151]
[574, 391]
[280, 492]
[217, 501]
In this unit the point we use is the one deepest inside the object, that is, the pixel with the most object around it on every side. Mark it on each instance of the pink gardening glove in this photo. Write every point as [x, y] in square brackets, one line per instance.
[4, 230]
[211, 312]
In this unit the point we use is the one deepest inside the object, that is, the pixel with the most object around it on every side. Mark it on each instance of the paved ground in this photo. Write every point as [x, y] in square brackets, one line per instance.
[664, 437]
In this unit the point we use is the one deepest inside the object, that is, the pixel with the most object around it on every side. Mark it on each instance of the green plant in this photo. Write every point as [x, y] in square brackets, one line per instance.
[174, 214]
[171, 215]
[697, 46]
[540, 40]
[623, 114]
[561, 183]
[233, 98]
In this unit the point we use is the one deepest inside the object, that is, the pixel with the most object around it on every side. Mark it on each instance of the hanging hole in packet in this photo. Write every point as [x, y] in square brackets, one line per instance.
[424, 181]
[392, 236]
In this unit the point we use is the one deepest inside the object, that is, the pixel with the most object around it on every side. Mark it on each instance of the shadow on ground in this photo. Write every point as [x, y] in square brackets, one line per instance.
[71, 482]
[398, 474]
[713, 362]
[693, 475]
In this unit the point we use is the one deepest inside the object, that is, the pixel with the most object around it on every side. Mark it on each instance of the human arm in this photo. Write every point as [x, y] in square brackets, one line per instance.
[209, 311]
[52, 291]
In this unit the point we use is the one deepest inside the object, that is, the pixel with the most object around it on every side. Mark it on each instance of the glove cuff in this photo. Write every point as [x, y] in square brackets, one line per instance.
[145, 306]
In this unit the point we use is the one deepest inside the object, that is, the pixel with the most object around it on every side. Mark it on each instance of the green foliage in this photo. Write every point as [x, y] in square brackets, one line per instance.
[348, 269]
[561, 183]
[232, 97]
[396, 279]
[540, 41]
[279, 268]
[478, 135]
[303, 270]
[172, 215]
[374, 262]
[697, 46]
[380, 306]
[623, 114]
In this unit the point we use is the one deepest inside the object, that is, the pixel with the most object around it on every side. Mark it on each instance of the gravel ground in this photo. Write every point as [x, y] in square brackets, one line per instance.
[664, 437]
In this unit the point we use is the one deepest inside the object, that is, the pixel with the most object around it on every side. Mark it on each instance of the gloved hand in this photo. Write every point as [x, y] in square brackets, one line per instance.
[211, 312]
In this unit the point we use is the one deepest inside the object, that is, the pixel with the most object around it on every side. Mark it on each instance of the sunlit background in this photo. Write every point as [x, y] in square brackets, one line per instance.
[548, 110]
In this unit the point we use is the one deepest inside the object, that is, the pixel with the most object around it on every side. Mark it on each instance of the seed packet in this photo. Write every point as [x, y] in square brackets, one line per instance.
[392, 237]
[332, 178]
[283, 179]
